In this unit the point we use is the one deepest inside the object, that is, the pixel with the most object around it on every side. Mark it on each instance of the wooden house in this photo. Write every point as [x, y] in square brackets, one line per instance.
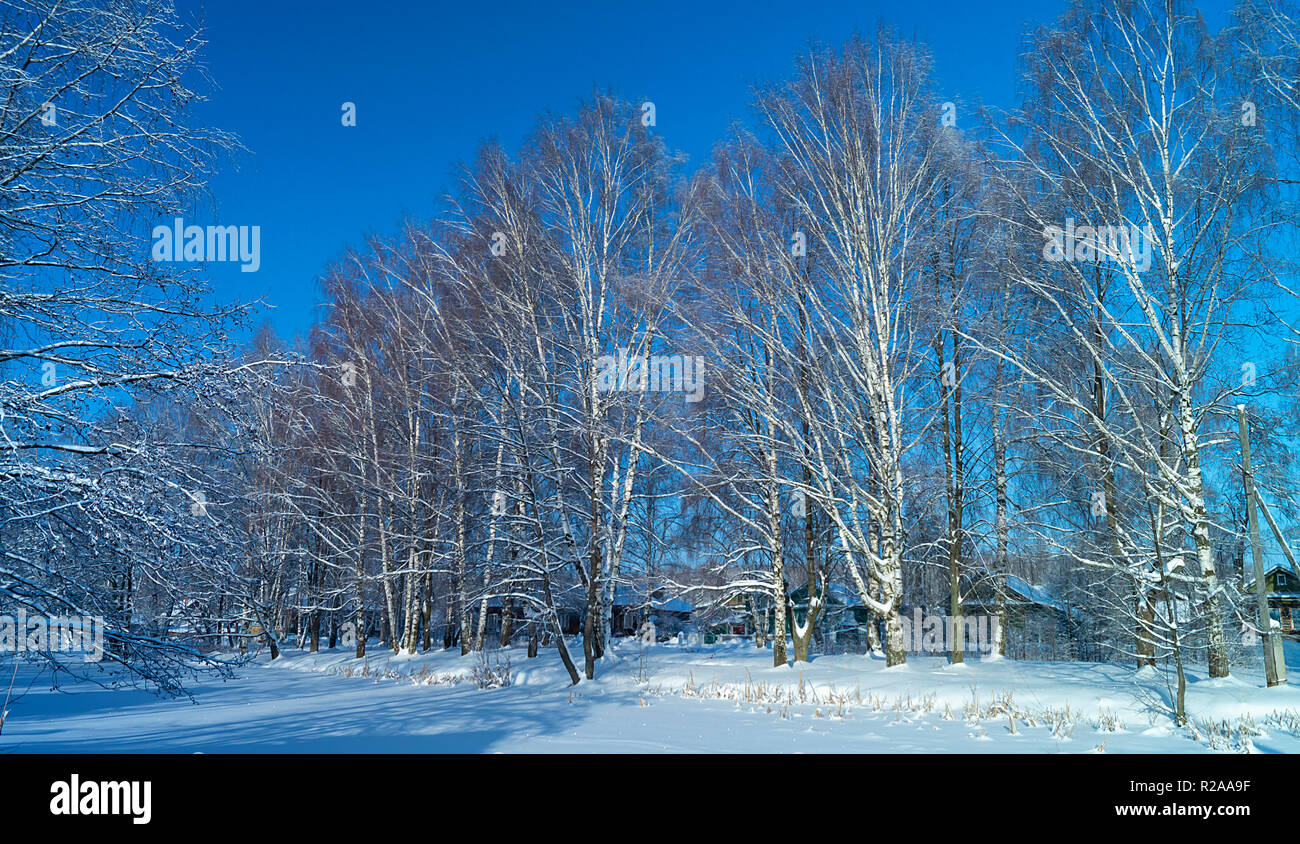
[1282, 587]
[633, 607]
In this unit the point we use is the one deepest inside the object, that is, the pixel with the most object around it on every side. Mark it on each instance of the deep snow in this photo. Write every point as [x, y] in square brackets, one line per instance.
[723, 698]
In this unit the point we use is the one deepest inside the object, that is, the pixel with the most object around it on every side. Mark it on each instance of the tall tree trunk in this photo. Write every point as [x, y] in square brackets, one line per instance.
[1215, 640]
[1000, 519]
[760, 622]
[891, 590]
[950, 393]
[592, 646]
[463, 609]
[803, 634]
[554, 617]
[361, 590]
[507, 622]
[874, 644]
[426, 611]
[779, 597]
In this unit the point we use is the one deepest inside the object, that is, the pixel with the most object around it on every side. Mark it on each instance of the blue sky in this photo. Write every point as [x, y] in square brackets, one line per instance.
[430, 80]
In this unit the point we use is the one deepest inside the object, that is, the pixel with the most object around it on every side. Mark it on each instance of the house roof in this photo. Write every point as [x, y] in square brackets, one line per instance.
[837, 594]
[1020, 589]
[1286, 569]
[845, 594]
[1034, 594]
[626, 596]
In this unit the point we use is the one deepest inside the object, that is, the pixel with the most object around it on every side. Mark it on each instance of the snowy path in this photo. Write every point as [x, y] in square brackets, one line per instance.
[724, 699]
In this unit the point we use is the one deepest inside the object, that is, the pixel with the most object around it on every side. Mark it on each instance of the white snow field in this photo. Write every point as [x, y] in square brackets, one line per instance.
[721, 698]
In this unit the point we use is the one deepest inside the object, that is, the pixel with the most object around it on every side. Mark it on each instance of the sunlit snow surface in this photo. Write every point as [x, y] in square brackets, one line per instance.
[724, 698]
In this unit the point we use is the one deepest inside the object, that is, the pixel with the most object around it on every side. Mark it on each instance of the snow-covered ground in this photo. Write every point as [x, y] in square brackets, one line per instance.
[719, 698]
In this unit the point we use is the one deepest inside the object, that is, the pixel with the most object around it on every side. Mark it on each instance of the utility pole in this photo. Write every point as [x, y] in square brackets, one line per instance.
[1274, 664]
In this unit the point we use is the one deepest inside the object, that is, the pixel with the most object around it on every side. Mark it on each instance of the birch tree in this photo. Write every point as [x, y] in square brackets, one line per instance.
[1146, 176]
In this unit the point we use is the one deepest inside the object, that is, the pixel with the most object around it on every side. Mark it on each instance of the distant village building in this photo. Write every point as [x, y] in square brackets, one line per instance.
[629, 612]
[841, 628]
[1282, 587]
[1038, 625]
[632, 608]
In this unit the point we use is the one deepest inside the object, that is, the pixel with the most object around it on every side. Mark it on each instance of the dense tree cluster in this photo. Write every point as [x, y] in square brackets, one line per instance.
[882, 349]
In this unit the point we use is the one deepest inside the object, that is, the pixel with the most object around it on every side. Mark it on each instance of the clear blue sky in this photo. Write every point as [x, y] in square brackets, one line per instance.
[430, 80]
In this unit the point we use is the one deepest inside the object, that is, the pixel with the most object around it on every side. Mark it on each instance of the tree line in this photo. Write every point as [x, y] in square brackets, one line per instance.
[938, 346]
